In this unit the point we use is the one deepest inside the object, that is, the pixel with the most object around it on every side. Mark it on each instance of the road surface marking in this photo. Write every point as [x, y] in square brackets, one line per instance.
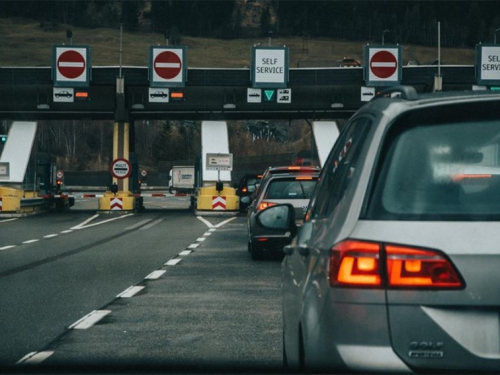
[193, 246]
[50, 236]
[130, 292]
[152, 224]
[30, 241]
[142, 222]
[90, 319]
[7, 247]
[173, 262]
[201, 239]
[185, 252]
[67, 231]
[83, 225]
[34, 358]
[155, 275]
[6, 220]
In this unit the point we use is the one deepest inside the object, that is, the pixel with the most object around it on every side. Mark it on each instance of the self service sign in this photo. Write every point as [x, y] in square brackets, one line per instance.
[269, 67]
[488, 64]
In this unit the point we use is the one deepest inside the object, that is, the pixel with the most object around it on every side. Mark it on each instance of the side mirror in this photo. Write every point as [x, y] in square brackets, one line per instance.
[280, 218]
[245, 200]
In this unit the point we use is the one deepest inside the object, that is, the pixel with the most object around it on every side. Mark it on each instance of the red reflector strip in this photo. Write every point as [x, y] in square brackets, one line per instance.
[262, 239]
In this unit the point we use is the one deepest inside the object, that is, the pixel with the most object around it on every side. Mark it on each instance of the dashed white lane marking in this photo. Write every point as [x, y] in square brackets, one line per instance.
[6, 220]
[151, 224]
[90, 319]
[201, 239]
[31, 241]
[212, 230]
[206, 234]
[50, 236]
[7, 247]
[34, 358]
[155, 275]
[130, 292]
[193, 246]
[67, 231]
[173, 262]
[142, 222]
[185, 252]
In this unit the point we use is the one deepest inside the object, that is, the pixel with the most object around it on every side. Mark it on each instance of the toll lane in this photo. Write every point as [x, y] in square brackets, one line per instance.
[50, 283]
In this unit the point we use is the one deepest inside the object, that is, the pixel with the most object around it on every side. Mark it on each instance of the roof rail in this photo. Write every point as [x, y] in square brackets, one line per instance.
[404, 92]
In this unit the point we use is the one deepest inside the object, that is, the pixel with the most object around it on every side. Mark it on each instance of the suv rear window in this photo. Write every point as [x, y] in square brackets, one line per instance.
[440, 172]
[290, 189]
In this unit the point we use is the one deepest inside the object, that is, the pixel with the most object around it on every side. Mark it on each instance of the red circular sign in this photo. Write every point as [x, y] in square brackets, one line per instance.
[167, 65]
[121, 168]
[71, 64]
[383, 64]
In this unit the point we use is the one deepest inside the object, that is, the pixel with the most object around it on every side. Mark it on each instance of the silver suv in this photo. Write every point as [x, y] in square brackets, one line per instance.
[396, 267]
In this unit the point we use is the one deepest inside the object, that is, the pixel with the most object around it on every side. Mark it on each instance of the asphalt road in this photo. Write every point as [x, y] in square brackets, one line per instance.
[160, 290]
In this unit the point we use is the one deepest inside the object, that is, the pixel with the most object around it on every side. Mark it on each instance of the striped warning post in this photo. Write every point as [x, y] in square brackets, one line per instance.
[219, 202]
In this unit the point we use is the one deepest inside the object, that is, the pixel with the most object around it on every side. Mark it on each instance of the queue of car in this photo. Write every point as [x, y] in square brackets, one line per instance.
[395, 266]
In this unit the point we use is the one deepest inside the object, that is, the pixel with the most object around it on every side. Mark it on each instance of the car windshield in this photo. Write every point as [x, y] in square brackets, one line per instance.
[440, 171]
[290, 189]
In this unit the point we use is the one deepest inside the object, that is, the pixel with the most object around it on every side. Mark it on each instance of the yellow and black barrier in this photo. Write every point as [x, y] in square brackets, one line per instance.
[210, 201]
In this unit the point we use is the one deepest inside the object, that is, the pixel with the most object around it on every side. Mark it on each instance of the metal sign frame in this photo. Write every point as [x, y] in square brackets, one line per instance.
[276, 57]
[159, 82]
[486, 55]
[4, 170]
[86, 77]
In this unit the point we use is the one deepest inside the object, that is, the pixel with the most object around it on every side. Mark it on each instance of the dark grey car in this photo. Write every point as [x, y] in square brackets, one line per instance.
[396, 267]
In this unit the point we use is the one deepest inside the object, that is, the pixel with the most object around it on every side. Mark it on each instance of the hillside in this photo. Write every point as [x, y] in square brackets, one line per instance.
[26, 42]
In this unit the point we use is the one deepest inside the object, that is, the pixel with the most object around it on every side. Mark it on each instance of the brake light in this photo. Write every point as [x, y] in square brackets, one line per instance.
[244, 189]
[355, 263]
[419, 268]
[294, 168]
[303, 178]
[264, 205]
[370, 264]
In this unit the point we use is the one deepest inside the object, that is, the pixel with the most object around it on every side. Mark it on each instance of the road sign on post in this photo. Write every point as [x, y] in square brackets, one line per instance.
[382, 65]
[269, 67]
[120, 168]
[488, 64]
[167, 66]
[71, 66]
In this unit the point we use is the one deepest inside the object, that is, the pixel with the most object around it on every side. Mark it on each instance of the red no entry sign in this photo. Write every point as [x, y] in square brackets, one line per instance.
[71, 64]
[383, 64]
[167, 65]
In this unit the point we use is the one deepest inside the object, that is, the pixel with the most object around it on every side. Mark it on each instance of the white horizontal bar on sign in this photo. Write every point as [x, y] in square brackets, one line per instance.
[90, 319]
[173, 262]
[130, 292]
[155, 275]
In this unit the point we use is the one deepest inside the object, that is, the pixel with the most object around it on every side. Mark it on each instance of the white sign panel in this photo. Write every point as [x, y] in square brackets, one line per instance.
[367, 93]
[220, 161]
[160, 95]
[63, 94]
[284, 96]
[254, 95]
[71, 64]
[270, 67]
[490, 63]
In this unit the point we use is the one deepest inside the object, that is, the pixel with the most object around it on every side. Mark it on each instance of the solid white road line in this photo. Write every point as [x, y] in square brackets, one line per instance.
[90, 319]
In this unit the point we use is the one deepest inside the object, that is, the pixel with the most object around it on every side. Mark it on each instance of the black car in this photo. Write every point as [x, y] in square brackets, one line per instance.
[246, 187]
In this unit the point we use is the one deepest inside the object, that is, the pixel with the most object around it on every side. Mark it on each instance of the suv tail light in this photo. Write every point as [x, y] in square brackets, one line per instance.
[371, 264]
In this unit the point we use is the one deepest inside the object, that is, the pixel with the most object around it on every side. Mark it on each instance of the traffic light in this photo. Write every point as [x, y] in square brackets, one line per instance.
[3, 138]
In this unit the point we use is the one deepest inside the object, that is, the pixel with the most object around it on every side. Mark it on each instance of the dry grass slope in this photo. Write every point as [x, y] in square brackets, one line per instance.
[25, 43]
